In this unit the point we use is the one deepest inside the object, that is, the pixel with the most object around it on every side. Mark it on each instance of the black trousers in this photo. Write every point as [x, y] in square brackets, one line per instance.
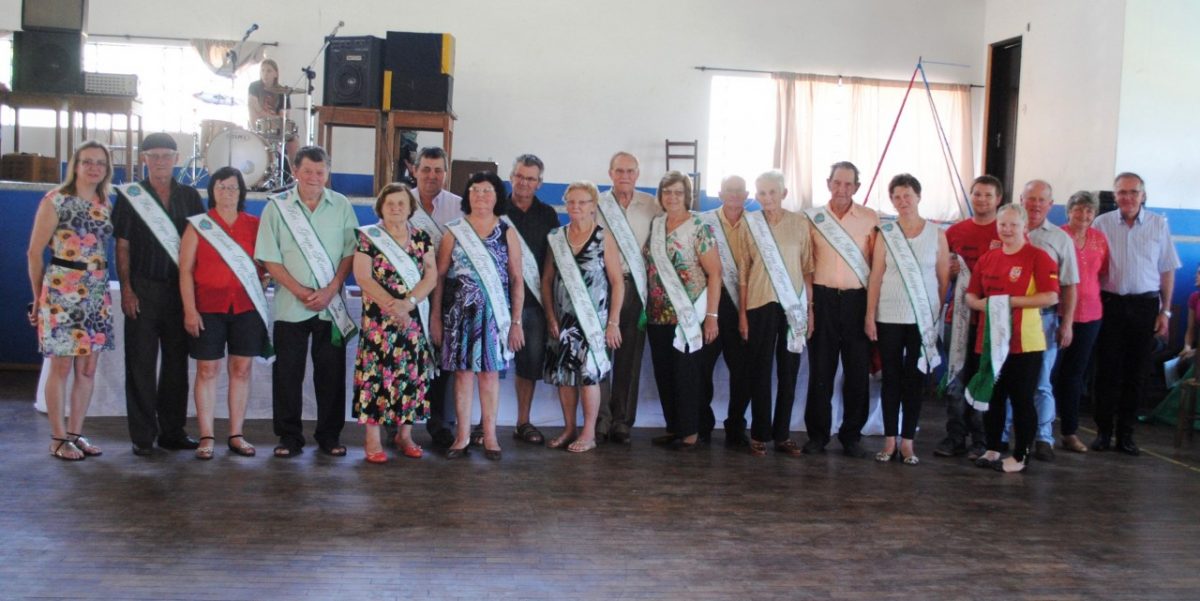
[838, 336]
[899, 352]
[619, 391]
[1017, 384]
[438, 391]
[677, 376]
[1069, 374]
[329, 381]
[156, 395]
[768, 344]
[729, 344]
[1124, 348]
[961, 418]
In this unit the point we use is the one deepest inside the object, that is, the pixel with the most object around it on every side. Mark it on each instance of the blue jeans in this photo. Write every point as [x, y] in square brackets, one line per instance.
[1043, 399]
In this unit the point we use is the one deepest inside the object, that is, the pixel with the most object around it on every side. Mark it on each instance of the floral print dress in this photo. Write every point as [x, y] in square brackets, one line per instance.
[394, 365]
[566, 358]
[74, 308]
[685, 244]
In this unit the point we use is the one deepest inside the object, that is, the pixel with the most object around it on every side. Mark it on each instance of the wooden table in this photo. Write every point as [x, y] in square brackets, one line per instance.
[329, 117]
[83, 104]
[398, 121]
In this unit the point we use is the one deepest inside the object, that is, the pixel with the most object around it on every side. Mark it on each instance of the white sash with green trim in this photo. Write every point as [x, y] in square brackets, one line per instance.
[319, 262]
[585, 310]
[729, 268]
[900, 248]
[689, 334]
[997, 335]
[530, 270]
[960, 324]
[831, 229]
[615, 221]
[154, 216]
[240, 263]
[406, 266]
[425, 223]
[792, 297]
[489, 278]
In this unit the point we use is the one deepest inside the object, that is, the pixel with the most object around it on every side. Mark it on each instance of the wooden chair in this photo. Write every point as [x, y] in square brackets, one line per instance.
[1187, 417]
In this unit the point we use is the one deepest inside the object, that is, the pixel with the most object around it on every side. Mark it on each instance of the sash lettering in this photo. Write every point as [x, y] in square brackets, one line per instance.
[406, 266]
[154, 216]
[831, 229]
[489, 278]
[425, 223]
[240, 264]
[319, 262]
[589, 318]
[795, 304]
[960, 324]
[901, 250]
[729, 269]
[997, 335]
[689, 335]
[613, 219]
[530, 270]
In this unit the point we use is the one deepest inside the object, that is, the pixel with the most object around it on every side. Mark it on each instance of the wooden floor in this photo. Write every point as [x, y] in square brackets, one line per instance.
[616, 523]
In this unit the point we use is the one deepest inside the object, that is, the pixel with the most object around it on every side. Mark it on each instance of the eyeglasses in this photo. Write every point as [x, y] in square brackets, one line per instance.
[228, 188]
[482, 190]
[94, 163]
[526, 180]
[159, 156]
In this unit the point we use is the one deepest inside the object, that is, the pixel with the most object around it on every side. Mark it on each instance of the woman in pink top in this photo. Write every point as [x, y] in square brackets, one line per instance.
[1091, 252]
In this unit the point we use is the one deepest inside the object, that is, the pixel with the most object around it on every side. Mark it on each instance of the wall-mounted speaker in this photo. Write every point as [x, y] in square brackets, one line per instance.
[48, 62]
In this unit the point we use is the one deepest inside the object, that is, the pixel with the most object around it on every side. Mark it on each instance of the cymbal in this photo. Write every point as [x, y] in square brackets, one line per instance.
[284, 90]
[221, 99]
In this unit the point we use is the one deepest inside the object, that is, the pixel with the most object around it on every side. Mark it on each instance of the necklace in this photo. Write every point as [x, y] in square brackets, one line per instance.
[577, 247]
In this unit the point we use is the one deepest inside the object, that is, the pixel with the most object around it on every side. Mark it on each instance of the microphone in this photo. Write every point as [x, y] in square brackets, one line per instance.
[253, 28]
[335, 29]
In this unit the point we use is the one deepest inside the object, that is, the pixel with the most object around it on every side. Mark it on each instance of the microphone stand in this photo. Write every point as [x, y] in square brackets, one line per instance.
[231, 59]
[307, 77]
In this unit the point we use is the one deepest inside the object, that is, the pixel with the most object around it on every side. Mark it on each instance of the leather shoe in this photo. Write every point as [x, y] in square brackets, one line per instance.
[736, 440]
[813, 447]
[950, 447]
[182, 443]
[443, 438]
[664, 440]
[143, 450]
[1102, 442]
[1043, 451]
[620, 437]
[1128, 447]
[853, 449]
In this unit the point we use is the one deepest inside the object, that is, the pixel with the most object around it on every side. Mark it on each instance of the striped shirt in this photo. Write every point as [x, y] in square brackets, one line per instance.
[1137, 254]
[1059, 245]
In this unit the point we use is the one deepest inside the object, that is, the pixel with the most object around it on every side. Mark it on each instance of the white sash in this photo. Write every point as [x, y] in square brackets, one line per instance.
[918, 297]
[729, 268]
[319, 262]
[406, 266]
[530, 270]
[615, 221]
[238, 261]
[960, 323]
[589, 318]
[154, 216]
[837, 237]
[795, 304]
[999, 317]
[689, 335]
[425, 223]
[489, 278]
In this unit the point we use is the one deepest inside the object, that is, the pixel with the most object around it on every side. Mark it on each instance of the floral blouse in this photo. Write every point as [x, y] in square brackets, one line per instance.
[684, 246]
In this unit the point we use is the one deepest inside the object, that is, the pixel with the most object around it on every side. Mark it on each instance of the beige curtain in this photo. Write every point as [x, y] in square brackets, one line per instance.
[823, 119]
[212, 54]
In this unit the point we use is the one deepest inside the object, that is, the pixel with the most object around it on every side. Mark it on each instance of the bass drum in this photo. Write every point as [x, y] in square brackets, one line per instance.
[242, 150]
[211, 128]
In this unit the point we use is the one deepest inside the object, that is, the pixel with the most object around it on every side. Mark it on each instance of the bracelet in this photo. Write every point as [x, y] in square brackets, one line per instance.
[516, 322]
[711, 315]
[613, 325]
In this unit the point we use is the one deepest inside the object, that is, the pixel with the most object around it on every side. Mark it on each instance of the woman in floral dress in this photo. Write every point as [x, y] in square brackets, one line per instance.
[394, 365]
[72, 308]
[691, 248]
[571, 363]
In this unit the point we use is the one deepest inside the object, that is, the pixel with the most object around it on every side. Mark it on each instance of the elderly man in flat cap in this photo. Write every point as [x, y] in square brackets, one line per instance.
[148, 220]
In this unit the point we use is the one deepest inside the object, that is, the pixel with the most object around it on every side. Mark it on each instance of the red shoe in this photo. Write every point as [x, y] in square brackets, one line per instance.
[379, 457]
[414, 451]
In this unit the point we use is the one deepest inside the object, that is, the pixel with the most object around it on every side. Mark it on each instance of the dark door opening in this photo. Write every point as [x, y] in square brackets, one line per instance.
[1004, 83]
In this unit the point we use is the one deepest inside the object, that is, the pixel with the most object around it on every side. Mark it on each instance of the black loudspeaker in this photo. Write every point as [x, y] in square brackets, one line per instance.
[48, 62]
[54, 15]
[419, 72]
[354, 72]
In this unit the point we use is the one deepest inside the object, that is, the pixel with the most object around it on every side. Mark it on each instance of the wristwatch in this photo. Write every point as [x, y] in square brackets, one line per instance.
[1166, 312]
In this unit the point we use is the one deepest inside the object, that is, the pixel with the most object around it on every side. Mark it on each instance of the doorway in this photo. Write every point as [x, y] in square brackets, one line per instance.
[1004, 84]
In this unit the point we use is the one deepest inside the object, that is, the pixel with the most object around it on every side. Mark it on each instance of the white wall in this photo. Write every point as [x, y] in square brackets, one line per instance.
[575, 81]
[1159, 131]
[1070, 87]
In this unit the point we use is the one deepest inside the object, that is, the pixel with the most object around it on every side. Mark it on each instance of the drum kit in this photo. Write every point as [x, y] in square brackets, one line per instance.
[258, 154]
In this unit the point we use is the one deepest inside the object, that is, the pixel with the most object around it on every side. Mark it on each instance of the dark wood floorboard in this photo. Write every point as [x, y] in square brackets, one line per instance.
[617, 523]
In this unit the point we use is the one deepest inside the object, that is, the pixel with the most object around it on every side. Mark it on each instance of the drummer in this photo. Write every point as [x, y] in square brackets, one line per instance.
[267, 99]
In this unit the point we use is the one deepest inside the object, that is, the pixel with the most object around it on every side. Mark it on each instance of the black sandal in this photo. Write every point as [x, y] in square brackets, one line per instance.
[285, 452]
[336, 450]
[245, 449]
[476, 439]
[61, 453]
[529, 433]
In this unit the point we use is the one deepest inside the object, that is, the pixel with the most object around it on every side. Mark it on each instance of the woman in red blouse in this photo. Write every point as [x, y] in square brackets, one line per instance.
[218, 312]
[1029, 277]
[1091, 252]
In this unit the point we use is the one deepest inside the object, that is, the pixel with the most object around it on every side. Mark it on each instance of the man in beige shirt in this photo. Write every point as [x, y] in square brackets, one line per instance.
[619, 396]
[839, 304]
